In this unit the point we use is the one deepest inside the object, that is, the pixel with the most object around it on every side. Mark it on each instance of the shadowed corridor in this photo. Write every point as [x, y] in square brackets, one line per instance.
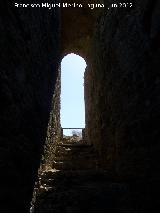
[113, 165]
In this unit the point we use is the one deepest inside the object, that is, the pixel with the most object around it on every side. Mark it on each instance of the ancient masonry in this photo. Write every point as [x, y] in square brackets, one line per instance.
[122, 94]
[54, 127]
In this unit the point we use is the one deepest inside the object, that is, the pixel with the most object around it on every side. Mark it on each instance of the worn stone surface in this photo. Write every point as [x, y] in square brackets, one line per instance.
[91, 191]
[77, 27]
[54, 127]
[122, 90]
[28, 67]
[74, 156]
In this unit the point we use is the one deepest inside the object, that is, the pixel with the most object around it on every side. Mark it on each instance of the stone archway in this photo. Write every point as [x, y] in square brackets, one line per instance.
[72, 91]
[77, 28]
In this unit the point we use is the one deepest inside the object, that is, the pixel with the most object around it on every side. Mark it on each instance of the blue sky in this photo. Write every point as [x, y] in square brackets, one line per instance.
[72, 91]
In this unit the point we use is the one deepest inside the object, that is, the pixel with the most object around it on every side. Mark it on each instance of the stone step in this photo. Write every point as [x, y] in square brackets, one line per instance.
[77, 156]
[74, 156]
[73, 166]
[74, 145]
[77, 153]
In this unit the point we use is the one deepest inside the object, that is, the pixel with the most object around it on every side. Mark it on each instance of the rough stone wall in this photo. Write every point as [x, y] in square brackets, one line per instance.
[122, 90]
[77, 26]
[54, 127]
[28, 69]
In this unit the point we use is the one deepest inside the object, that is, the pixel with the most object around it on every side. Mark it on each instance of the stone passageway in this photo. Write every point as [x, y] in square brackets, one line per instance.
[118, 171]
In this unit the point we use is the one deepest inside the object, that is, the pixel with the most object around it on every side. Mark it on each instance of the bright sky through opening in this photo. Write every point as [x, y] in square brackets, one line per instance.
[72, 91]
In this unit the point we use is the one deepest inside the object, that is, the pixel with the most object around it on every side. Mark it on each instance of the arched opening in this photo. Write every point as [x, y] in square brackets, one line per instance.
[72, 111]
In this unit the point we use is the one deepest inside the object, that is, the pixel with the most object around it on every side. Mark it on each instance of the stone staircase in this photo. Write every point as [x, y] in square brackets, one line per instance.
[73, 163]
[75, 156]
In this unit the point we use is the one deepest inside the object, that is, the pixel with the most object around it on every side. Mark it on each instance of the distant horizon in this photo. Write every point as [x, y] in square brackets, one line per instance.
[72, 113]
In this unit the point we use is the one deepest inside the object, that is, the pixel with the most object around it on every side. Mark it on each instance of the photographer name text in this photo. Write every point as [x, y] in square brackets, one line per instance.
[71, 5]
